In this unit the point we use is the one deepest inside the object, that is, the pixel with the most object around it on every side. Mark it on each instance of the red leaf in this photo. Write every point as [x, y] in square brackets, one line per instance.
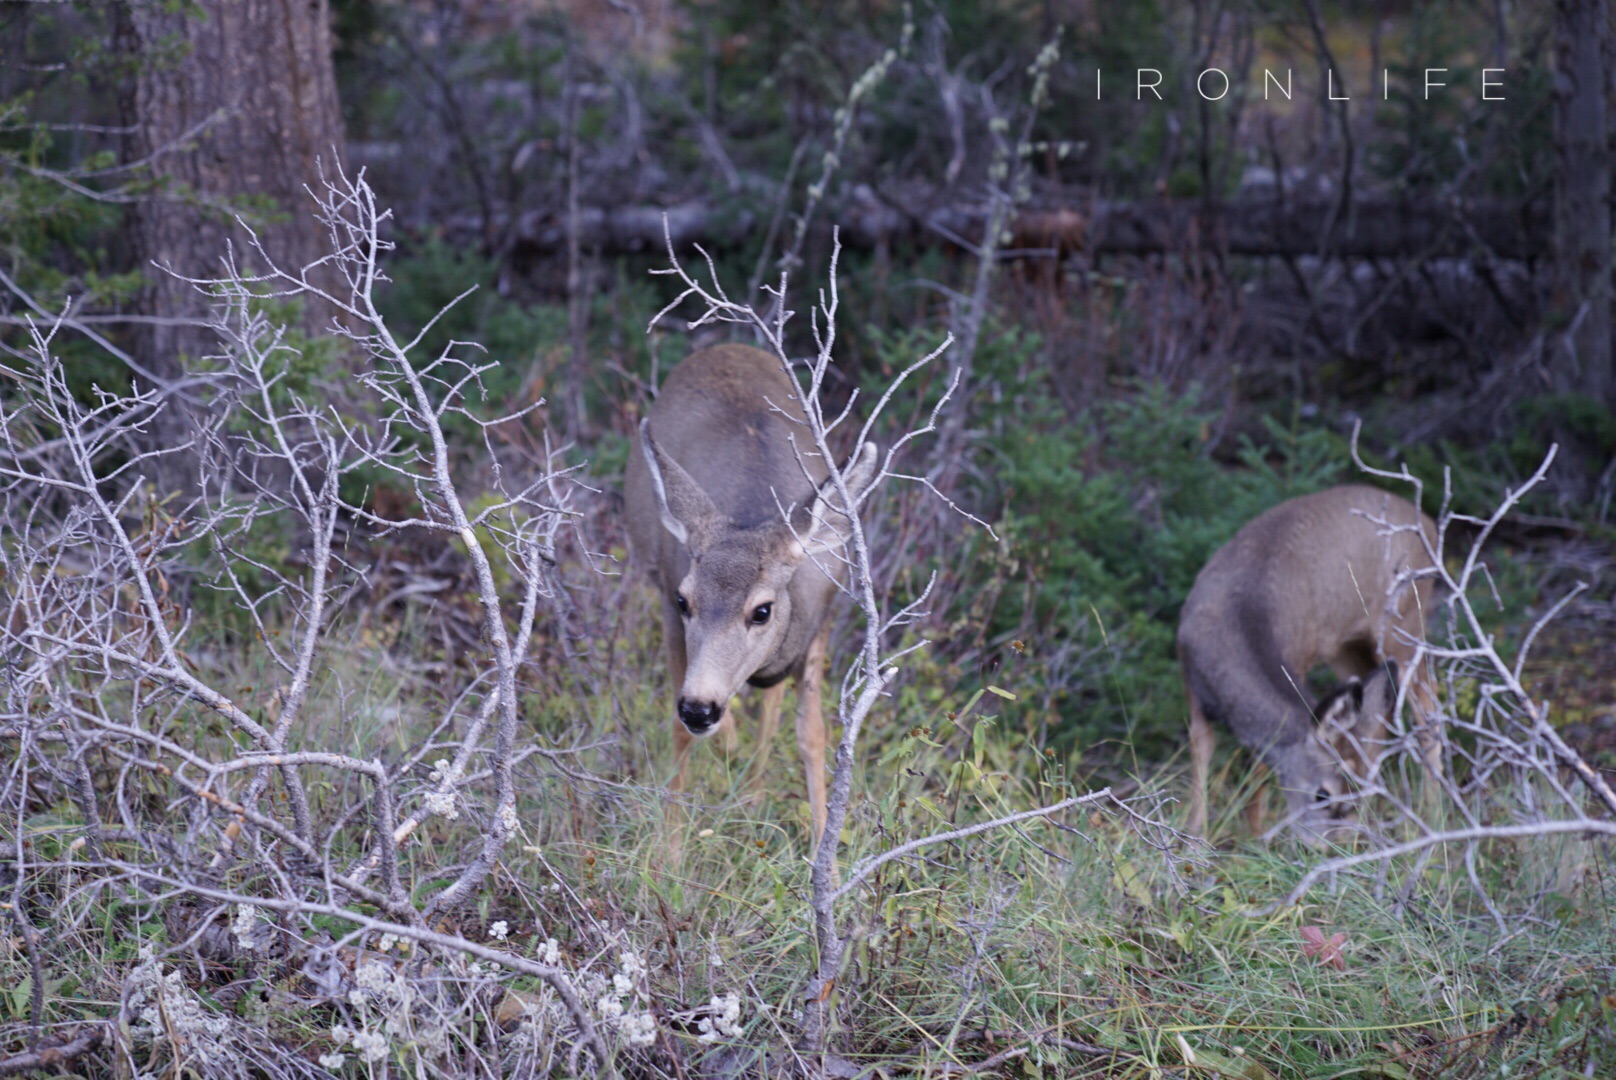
[1326, 950]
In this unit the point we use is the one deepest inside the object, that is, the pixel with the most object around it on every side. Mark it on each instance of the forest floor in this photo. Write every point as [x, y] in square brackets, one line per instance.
[1057, 949]
[1573, 663]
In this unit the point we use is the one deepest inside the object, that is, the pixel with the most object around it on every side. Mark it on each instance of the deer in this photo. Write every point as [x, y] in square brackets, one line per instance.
[1342, 577]
[739, 526]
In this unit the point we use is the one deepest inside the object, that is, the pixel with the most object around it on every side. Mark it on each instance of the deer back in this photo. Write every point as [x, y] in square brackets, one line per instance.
[1320, 579]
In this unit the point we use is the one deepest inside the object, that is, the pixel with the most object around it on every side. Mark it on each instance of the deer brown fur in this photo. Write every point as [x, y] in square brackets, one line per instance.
[1321, 579]
[730, 513]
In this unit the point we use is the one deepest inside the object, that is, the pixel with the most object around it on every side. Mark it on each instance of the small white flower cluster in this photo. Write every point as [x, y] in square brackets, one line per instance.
[542, 1011]
[723, 1019]
[382, 984]
[507, 819]
[638, 1028]
[167, 1013]
[500, 930]
[392, 941]
[441, 803]
[385, 992]
[378, 978]
[242, 925]
[372, 1045]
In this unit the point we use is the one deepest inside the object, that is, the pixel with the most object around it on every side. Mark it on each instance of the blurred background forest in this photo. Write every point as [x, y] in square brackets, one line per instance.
[1170, 313]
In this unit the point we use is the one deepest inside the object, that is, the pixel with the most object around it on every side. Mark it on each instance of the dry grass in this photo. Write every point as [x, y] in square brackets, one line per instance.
[1045, 949]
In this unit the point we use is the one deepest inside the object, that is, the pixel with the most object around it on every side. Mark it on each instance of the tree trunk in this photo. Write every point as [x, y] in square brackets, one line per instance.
[232, 103]
[1582, 210]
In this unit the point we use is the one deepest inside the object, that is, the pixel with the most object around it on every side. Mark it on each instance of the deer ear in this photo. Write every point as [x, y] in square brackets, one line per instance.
[1338, 710]
[824, 525]
[685, 509]
[1380, 690]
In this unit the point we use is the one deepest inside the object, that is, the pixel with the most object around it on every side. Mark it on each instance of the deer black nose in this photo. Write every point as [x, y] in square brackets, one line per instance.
[699, 716]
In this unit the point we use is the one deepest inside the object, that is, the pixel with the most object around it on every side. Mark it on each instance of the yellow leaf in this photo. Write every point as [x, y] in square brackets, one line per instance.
[1129, 881]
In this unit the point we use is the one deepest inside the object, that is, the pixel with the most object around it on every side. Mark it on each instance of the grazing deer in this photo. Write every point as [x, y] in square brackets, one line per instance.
[1315, 580]
[730, 511]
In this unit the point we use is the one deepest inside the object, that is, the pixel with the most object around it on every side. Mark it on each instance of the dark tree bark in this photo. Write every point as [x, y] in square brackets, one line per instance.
[1582, 210]
[232, 102]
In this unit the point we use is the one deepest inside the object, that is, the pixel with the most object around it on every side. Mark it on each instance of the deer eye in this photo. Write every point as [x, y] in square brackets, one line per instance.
[1322, 795]
[684, 605]
[761, 613]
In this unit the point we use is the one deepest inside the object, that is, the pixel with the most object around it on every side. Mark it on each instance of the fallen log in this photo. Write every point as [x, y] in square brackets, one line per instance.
[1375, 228]
[1379, 227]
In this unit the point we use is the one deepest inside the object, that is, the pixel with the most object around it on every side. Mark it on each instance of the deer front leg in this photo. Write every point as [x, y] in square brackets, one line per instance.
[1201, 738]
[727, 733]
[682, 741]
[811, 732]
[773, 700]
[674, 635]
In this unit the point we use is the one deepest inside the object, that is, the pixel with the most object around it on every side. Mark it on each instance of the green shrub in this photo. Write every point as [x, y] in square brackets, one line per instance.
[1106, 520]
[1111, 519]
[522, 337]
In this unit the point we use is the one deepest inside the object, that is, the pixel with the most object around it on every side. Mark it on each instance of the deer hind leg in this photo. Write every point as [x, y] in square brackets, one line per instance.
[811, 732]
[1256, 816]
[768, 723]
[1201, 740]
[1427, 718]
[1410, 621]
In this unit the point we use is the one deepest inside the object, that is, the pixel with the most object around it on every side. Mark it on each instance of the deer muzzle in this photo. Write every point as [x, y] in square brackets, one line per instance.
[700, 717]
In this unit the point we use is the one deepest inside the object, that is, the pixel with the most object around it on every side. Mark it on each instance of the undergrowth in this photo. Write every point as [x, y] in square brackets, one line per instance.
[1064, 949]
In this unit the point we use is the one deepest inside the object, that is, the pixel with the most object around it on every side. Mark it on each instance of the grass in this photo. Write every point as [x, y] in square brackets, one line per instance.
[1058, 950]
[1081, 937]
